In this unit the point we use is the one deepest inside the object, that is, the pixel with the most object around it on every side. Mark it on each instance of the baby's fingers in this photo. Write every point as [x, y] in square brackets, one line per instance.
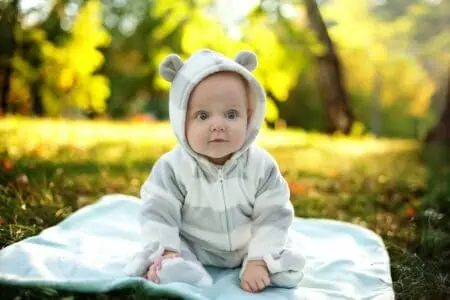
[245, 286]
[253, 284]
[266, 280]
[153, 274]
[157, 263]
[260, 284]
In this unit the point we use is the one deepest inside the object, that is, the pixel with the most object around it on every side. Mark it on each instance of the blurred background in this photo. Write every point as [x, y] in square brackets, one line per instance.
[369, 66]
[358, 109]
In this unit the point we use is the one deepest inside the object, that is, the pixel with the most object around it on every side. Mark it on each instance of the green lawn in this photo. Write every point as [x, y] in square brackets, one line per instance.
[51, 168]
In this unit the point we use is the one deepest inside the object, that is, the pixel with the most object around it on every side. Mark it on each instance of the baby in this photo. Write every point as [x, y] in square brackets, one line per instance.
[216, 199]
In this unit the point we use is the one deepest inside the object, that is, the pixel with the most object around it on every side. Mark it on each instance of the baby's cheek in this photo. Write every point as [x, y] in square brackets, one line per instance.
[192, 139]
[194, 143]
[243, 132]
[199, 140]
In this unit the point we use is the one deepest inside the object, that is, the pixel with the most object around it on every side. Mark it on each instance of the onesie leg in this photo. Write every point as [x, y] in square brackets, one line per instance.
[286, 279]
[139, 264]
[290, 269]
[185, 269]
[180, 270]
[286, 268]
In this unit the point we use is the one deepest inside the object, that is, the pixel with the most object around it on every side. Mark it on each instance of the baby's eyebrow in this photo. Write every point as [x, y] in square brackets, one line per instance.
[196, 110]
[199, 107]
[237, 106]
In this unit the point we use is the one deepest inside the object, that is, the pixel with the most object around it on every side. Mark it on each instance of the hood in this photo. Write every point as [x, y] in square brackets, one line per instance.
[184, 76]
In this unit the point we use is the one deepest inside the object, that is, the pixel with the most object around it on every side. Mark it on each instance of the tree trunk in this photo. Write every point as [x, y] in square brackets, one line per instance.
[37, 106]
[6, 75]
[8, 22]
[375, 123]
[441, 132]
[338, 113]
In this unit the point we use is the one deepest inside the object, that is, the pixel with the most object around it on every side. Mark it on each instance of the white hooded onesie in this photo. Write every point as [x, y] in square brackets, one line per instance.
[219, 216]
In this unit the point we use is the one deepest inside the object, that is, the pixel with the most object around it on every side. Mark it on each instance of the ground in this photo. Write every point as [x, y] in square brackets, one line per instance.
[51, 168]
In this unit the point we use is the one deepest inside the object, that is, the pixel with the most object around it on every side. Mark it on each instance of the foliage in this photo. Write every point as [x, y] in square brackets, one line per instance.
[379, 184]
[64, 73]
[377, 61]
[392, 91]
[392, 62]
[135, 52]
[68, 71]
[304, 101]
[278, 62]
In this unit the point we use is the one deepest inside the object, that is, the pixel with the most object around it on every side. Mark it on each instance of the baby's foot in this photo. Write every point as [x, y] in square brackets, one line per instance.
[286, 279]
[179, 270]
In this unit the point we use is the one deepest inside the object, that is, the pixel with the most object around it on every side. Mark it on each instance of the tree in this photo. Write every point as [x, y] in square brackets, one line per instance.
[8, 21]
[330, 78]
[57, 69]
[390, 90]
[283, 49]
[53, 68]
[430, 43]
[135, 52]
[441, 132]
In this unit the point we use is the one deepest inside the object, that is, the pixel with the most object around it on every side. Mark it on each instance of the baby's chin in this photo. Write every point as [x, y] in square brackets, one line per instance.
[218, 156]
[218, 159]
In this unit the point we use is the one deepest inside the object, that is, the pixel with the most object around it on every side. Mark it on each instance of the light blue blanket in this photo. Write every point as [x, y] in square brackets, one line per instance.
[87, 251]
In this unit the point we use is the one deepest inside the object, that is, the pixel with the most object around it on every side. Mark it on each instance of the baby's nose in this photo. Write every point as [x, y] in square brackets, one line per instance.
[218, 125]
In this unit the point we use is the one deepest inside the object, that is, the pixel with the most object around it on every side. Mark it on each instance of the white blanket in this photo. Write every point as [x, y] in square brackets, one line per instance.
[88, 250]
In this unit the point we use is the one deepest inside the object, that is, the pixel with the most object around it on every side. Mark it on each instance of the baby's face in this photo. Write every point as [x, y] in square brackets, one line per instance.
[217, 116]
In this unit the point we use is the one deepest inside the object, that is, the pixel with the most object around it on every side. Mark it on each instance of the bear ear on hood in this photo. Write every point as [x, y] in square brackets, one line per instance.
[170, 66]
[247, 59]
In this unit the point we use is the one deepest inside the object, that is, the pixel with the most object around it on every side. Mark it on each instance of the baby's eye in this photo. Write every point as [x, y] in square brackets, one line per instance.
[232, 114]
[202, 115]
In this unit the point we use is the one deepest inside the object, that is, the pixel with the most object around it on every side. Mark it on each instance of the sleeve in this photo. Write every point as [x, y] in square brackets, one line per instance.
[160, 217]
[272, 217]
[161, 213]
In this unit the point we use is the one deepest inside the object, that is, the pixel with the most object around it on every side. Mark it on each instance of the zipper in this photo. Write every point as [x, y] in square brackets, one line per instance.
[225, 203]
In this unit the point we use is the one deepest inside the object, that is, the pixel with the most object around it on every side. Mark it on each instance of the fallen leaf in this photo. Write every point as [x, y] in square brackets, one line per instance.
[297, 187]
[8, 164]
[409, 212]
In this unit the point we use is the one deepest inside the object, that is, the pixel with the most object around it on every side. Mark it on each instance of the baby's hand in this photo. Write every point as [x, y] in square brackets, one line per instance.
[153, 271]
[255, 277]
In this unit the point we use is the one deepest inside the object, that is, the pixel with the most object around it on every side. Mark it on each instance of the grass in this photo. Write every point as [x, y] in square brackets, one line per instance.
[51, 168]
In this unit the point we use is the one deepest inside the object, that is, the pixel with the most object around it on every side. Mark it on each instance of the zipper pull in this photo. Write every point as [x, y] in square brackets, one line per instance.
[220, 175]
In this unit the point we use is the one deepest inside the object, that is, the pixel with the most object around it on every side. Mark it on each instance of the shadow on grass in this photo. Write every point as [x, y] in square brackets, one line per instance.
[37, 194]
[8, 292]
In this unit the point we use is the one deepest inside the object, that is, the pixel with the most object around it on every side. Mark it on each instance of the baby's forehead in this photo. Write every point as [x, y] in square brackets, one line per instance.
[220, 102]
[230, 87]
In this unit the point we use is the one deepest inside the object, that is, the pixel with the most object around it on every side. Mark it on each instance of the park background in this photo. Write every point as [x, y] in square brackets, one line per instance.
[358, 111]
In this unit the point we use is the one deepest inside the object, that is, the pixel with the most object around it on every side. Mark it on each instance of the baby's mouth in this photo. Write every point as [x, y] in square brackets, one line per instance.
[217, 141]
